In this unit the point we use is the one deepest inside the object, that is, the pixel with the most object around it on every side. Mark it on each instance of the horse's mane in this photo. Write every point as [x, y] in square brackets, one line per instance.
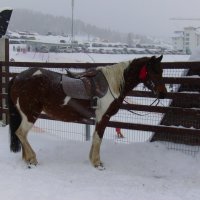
[115, 76]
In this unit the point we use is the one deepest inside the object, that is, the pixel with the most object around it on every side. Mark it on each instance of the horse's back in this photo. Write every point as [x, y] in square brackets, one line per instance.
[34, 83]
[33, 73]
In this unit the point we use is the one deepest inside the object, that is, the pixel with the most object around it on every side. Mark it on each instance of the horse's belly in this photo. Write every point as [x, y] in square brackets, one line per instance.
[68, 114]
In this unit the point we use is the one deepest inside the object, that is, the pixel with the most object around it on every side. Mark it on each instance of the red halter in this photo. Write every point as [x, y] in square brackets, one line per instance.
[143, 73]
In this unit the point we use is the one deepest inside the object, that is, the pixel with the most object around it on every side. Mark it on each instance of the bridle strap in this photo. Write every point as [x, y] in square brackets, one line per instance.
[146, 113]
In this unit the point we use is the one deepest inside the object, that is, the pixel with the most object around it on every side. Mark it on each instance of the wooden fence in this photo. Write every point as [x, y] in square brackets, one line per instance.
[181, 117]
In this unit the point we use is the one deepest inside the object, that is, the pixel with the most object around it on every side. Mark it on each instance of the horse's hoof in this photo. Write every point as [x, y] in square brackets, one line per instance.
[30, 166]
[100, 167]
[32, 163]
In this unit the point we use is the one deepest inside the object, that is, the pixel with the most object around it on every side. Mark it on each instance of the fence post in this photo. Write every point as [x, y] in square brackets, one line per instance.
[87, 132]
[4, 78]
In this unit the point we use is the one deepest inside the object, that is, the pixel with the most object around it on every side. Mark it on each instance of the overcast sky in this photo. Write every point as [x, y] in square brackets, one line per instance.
[148, 17]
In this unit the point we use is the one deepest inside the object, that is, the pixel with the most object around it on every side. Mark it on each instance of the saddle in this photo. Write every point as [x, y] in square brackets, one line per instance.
[87, 85]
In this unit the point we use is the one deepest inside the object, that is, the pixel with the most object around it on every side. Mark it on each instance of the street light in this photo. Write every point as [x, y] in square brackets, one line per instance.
[72, 39]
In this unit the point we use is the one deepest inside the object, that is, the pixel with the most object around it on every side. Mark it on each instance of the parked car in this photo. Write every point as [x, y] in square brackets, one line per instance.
[44, 49]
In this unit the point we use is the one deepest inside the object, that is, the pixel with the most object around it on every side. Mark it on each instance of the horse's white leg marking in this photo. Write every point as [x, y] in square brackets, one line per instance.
[28, 153]
[95, 150]
[66, 100]
[38, 72]
[104, 104]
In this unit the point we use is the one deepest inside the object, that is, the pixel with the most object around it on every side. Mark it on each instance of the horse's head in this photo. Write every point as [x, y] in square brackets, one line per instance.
[151, 76]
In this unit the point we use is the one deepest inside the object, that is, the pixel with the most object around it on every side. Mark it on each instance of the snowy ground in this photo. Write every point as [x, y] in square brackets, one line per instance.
[136, 171]
[83, 57]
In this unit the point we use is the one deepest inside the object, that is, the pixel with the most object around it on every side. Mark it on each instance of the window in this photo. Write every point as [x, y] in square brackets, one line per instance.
[187, 39]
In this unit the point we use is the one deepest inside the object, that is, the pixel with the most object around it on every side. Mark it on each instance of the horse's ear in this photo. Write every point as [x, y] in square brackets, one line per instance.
[152, 59]
[159, 58]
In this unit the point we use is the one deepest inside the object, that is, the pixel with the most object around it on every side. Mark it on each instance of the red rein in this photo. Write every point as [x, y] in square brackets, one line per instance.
[143, 73]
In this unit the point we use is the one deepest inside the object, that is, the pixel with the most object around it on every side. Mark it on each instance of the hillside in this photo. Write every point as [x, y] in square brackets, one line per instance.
[26, 20]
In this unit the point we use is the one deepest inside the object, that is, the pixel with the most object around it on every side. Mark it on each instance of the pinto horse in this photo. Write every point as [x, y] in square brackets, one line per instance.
[38, 90]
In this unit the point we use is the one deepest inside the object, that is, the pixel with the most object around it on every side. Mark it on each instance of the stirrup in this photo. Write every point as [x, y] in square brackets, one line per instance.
[94, 102]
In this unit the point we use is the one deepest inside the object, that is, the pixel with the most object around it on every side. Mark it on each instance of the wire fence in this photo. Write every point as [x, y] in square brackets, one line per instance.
[174, 120]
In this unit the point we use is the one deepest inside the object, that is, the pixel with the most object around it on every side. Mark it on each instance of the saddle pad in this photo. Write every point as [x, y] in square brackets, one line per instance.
[74, 88]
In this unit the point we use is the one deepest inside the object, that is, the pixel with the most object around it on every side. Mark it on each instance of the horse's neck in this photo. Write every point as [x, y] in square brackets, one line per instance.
[115, 76]
[132, 77]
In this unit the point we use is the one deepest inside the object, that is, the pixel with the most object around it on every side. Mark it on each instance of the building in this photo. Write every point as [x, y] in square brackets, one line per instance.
[187, 40]
[178, 40]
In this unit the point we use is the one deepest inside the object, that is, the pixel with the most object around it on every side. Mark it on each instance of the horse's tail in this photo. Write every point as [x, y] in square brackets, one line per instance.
[14, 121]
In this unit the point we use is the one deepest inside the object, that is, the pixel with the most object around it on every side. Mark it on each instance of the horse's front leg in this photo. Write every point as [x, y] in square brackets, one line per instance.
[96, 143]
[95, 151]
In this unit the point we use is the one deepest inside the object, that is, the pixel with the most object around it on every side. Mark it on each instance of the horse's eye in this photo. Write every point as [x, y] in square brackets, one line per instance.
[157, 71]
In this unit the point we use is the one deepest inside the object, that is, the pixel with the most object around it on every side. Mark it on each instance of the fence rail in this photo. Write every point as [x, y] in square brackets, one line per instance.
[181, 102]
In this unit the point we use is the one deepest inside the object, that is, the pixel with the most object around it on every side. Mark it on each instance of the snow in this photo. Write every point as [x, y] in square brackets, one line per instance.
[138, 171]
[135, 171]
[84, 57]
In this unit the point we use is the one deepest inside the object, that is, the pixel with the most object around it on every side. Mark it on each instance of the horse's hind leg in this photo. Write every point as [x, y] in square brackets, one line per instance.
[27, 152]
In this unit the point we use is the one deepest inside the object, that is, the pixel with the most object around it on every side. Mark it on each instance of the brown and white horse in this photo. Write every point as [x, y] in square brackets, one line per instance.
[37, 90]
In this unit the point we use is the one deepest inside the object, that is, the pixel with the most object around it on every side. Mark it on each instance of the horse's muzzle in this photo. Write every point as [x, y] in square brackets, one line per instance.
[161, 91]
[161, 95]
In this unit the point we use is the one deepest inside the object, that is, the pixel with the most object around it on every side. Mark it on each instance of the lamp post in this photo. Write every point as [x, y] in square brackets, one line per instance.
[72, 39]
